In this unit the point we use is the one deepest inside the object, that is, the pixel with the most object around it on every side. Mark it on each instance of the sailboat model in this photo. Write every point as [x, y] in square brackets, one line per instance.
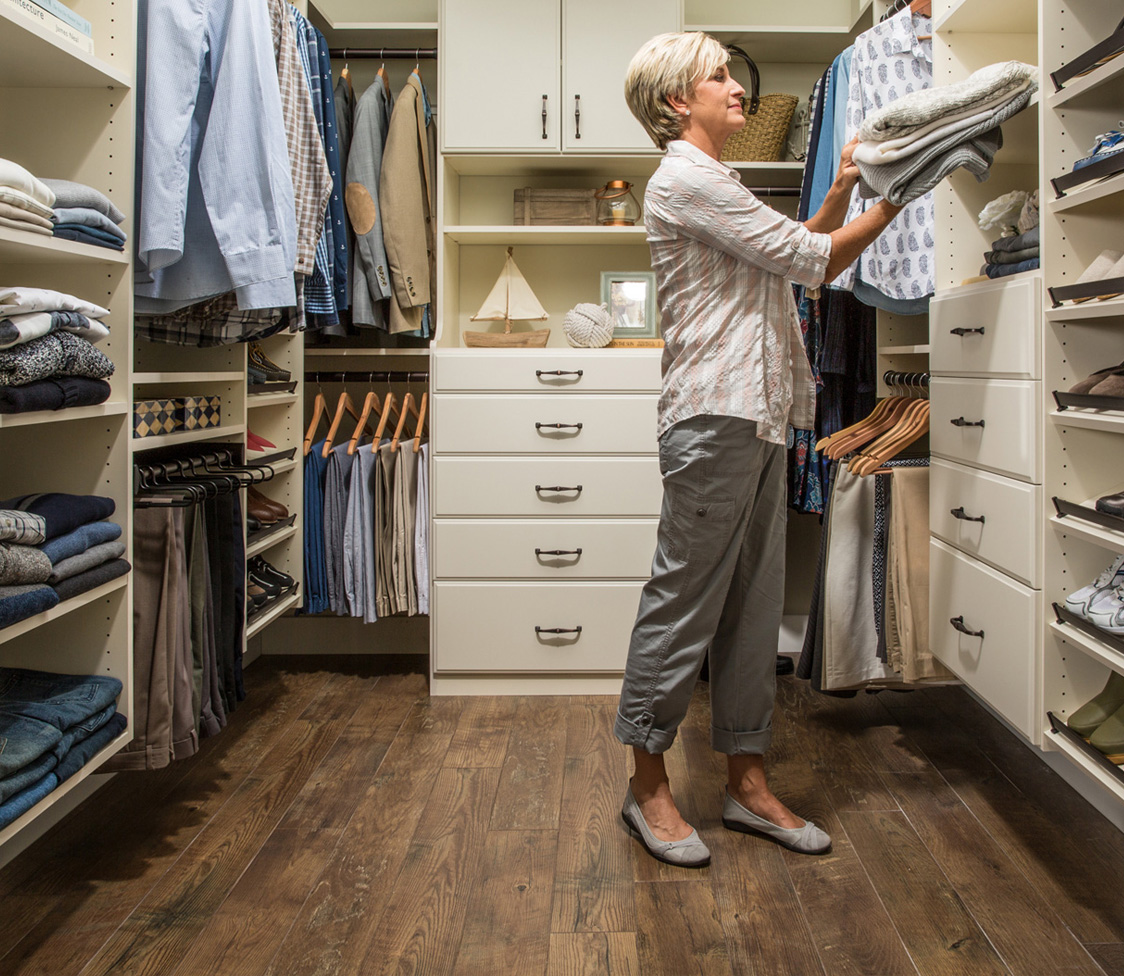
[510, 299]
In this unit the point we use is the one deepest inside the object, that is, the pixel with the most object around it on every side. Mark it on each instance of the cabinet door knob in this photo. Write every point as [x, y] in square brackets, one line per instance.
[558, 630]
[963, 332]
[539, 426]
[959, 513]
[577, 116]
[579, 373]
[544, 116]
[558, 552]
[540, 488]
[961, 422]
[958, 623]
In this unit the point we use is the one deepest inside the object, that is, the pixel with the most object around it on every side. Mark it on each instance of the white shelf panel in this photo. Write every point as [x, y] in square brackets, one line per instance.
[1088, 85]
[1090, 645]
[187, 437]
[268, 543]
[31, 57]
[1093, 420]
[514, 236]
[25, 247]
[1114, 308]
[637, 166]
[921, 350]
[224, 376]
[992, 17]
[62, 609]
[280, 467]
[107, 409]
[1061, 744]
[1089, 194]
[787, 45]
[1090, 532]
[270, 399]
[314, 353]
[267, 617]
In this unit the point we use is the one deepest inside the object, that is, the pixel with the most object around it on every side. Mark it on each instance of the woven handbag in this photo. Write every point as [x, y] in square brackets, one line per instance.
[767, 118]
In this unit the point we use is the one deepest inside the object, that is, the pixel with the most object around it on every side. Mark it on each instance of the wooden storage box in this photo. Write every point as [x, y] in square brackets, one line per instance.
[153, 417]
[562, 208]
[198, 412]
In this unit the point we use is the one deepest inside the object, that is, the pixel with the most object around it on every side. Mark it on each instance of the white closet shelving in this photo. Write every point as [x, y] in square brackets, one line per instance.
[84, 450]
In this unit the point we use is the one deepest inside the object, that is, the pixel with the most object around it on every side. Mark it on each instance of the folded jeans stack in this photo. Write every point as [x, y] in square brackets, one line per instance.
[25, 202]
[1011, 255]
[911, 144]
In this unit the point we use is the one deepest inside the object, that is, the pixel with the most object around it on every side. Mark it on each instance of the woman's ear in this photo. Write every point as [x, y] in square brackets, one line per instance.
[678, 104]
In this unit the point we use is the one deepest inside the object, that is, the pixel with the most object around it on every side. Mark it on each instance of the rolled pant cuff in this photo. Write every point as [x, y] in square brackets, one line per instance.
[642, 735]
[740, 743]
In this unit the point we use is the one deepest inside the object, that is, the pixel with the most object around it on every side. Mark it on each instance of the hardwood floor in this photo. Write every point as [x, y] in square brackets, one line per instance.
[345, 823]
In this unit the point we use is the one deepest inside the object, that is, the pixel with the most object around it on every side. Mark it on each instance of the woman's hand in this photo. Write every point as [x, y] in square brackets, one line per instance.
[848, 174]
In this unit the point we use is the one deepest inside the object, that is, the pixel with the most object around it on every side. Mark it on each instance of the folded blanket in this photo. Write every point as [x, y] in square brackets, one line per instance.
[1011, 257]
[23, 201]
[62, 513]
[26, 225]
[1003, 270]
[907, 180]
[58, 354]
[1032, 238]
[88, 218]
[21, 564]
[94, 556]
[919, 108]
[82, 538]
[15, 300]
[22, 527]
[54, 393]
[15, 176]
[92, 577]
[17, 329]
[19, 213]
[20, 602]
[71, 194]
[87, 235]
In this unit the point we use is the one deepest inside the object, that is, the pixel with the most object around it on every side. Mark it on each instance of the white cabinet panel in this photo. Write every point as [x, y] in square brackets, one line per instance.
[490, 627]
[993, 331]
[998, 666]
[547, 371]
[547, 549]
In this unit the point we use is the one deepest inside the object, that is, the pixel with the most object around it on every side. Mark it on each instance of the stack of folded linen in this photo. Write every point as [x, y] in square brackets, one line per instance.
[25, 202]
[54, 546]
[914, 142]
[51, 726]
[86, 215]
[1010, 255]
[47, 357]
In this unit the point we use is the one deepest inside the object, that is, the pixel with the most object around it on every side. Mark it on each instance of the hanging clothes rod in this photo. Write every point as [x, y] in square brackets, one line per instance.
[384, 53]
[774, 191]
[368, 376]
[894, 378]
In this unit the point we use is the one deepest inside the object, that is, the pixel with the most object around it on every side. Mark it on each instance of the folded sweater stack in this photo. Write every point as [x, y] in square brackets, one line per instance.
[911, 144]
[86, 215]
[25, 202]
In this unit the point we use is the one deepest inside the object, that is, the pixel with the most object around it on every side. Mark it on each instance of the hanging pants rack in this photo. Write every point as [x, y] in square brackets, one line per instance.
[384, 53]
[368, 376]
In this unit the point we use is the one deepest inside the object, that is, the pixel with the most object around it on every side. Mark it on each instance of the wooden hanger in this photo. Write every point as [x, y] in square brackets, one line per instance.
[370, 403]
[913, 425]
[319, 409]
[421, 422]
[407, 408]
[387, 408]
[923, 8]
[827, 445]
[344, 404]
[885, 414]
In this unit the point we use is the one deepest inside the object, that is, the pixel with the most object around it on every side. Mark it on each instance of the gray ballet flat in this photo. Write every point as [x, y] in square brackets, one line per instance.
[690, 852]
[808, 839]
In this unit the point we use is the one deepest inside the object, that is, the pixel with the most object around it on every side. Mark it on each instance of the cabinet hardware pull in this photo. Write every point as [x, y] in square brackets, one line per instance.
[579, 373]
[959, 513]
[558, 552]
[576, 488]
[577, 116]
[544, 116]
[963, 332]
[539, 426]
[558, 630]
[961, 422]
[958, 623]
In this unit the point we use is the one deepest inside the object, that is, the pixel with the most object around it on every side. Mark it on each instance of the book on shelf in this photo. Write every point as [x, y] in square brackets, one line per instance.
[64, 13]
[59, 29]
[635, 344]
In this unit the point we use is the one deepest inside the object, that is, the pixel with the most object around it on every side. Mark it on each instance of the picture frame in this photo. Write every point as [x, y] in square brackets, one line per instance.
[630, 297]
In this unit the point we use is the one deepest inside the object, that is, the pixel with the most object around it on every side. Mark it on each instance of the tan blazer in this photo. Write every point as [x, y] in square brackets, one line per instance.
[406, 200]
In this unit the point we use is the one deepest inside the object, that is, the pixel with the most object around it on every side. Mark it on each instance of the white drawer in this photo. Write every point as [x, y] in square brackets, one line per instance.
[1010, 411]
[537, 370]
[520, 424]
[504, 487]
[1010, 535]
[546, 549]
[1009, 316]
[999, 666]
[491, 626]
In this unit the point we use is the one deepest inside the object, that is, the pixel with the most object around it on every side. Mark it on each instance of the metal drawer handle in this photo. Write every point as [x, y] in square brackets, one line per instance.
[558, 630]
[963, 332]
[539, 426]
[544, 116]
[577, 116]
[576, 488]
[959, 513]
[961, 422]
[560, 372]
[558, 552]
[958, 623]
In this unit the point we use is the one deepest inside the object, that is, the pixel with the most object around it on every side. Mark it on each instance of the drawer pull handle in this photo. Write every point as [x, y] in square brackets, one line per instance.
[958, 623]
[558, 630]
[963, 332]
[539, 426]
[577, 116]
[558, 552]
[961, 422]
[576, 488]
[579, 373]
[544, 116]
[959, 513]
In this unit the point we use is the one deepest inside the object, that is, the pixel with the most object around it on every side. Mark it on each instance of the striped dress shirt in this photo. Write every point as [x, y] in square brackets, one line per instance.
[724, 263]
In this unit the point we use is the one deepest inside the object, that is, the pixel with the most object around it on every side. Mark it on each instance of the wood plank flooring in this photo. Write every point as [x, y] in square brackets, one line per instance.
[346, 823]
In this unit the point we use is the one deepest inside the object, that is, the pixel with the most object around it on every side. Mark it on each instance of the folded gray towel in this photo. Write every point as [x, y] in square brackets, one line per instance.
[975, 156]
[71, 194]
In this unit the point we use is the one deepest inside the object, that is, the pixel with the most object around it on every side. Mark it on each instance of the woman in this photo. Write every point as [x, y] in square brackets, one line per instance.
[734, 377]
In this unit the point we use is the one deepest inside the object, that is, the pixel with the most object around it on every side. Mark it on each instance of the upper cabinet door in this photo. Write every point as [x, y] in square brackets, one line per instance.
[599, 40]
[499, 65]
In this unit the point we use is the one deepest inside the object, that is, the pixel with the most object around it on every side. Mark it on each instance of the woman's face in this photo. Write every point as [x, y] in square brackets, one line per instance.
[716, 105]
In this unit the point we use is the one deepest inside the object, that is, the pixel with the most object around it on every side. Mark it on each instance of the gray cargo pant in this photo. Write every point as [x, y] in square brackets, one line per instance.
[718, 582]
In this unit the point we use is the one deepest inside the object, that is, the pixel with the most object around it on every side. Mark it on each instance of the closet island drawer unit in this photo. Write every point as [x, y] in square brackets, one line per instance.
[982, 627]
[551, 371]
[987, 330]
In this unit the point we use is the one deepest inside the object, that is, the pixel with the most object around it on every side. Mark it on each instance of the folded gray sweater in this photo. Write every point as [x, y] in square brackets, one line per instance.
[71, 194]
[975, 156]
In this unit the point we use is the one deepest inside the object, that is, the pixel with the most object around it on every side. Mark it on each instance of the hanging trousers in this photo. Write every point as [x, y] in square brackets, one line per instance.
[717, 581]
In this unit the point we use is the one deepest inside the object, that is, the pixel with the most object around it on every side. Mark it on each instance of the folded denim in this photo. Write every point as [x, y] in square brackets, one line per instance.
[88, 217]
[1012, 257]
[900, 183]
[20, 328]
[20, 564]
[71, 587]
[30, 774]
[1003, 270]
[94, 556]
[15, 807]
[62, 513]
[71, 194]
[20, 602]
[1031, 238]
[81, 539]
[89, 747]
[87, 235]
[54, 393]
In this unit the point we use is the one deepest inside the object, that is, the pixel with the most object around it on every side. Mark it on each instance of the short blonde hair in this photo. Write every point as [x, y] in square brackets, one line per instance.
[669, 65]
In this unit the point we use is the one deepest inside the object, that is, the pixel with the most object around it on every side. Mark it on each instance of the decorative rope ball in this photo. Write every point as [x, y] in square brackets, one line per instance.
[588, 326]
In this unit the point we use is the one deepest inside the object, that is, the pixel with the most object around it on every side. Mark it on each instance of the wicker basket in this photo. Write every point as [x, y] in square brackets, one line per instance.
[767, 120]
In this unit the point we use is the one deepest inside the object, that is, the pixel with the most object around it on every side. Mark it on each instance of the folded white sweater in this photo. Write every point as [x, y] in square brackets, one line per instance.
[15, 176]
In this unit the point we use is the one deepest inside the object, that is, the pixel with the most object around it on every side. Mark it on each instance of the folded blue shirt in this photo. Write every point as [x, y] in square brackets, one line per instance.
[82, 538]
[88, 217]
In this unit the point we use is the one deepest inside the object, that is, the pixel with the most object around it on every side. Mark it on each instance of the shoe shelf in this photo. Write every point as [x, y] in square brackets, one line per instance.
[1102, 85]
[215, 376]
[1089, 419]
[24, 247]
[271, 386]
[917, 350]
[31, 57]
[1062, 738]
[268, 538]
[328, 352]
[107, 409]
[1105, 647]
[186, 437]
[255, 400]
[1077, 199]
[62, 609]
[1085, 522]
[279, 467]
[271, 611]
[1087, 311]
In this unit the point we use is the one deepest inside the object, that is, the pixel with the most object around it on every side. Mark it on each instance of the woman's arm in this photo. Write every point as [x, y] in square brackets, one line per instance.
[831, 215]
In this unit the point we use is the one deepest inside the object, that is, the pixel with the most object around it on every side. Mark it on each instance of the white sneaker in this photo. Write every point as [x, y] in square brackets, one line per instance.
[1081, 601]
[1107, 612]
